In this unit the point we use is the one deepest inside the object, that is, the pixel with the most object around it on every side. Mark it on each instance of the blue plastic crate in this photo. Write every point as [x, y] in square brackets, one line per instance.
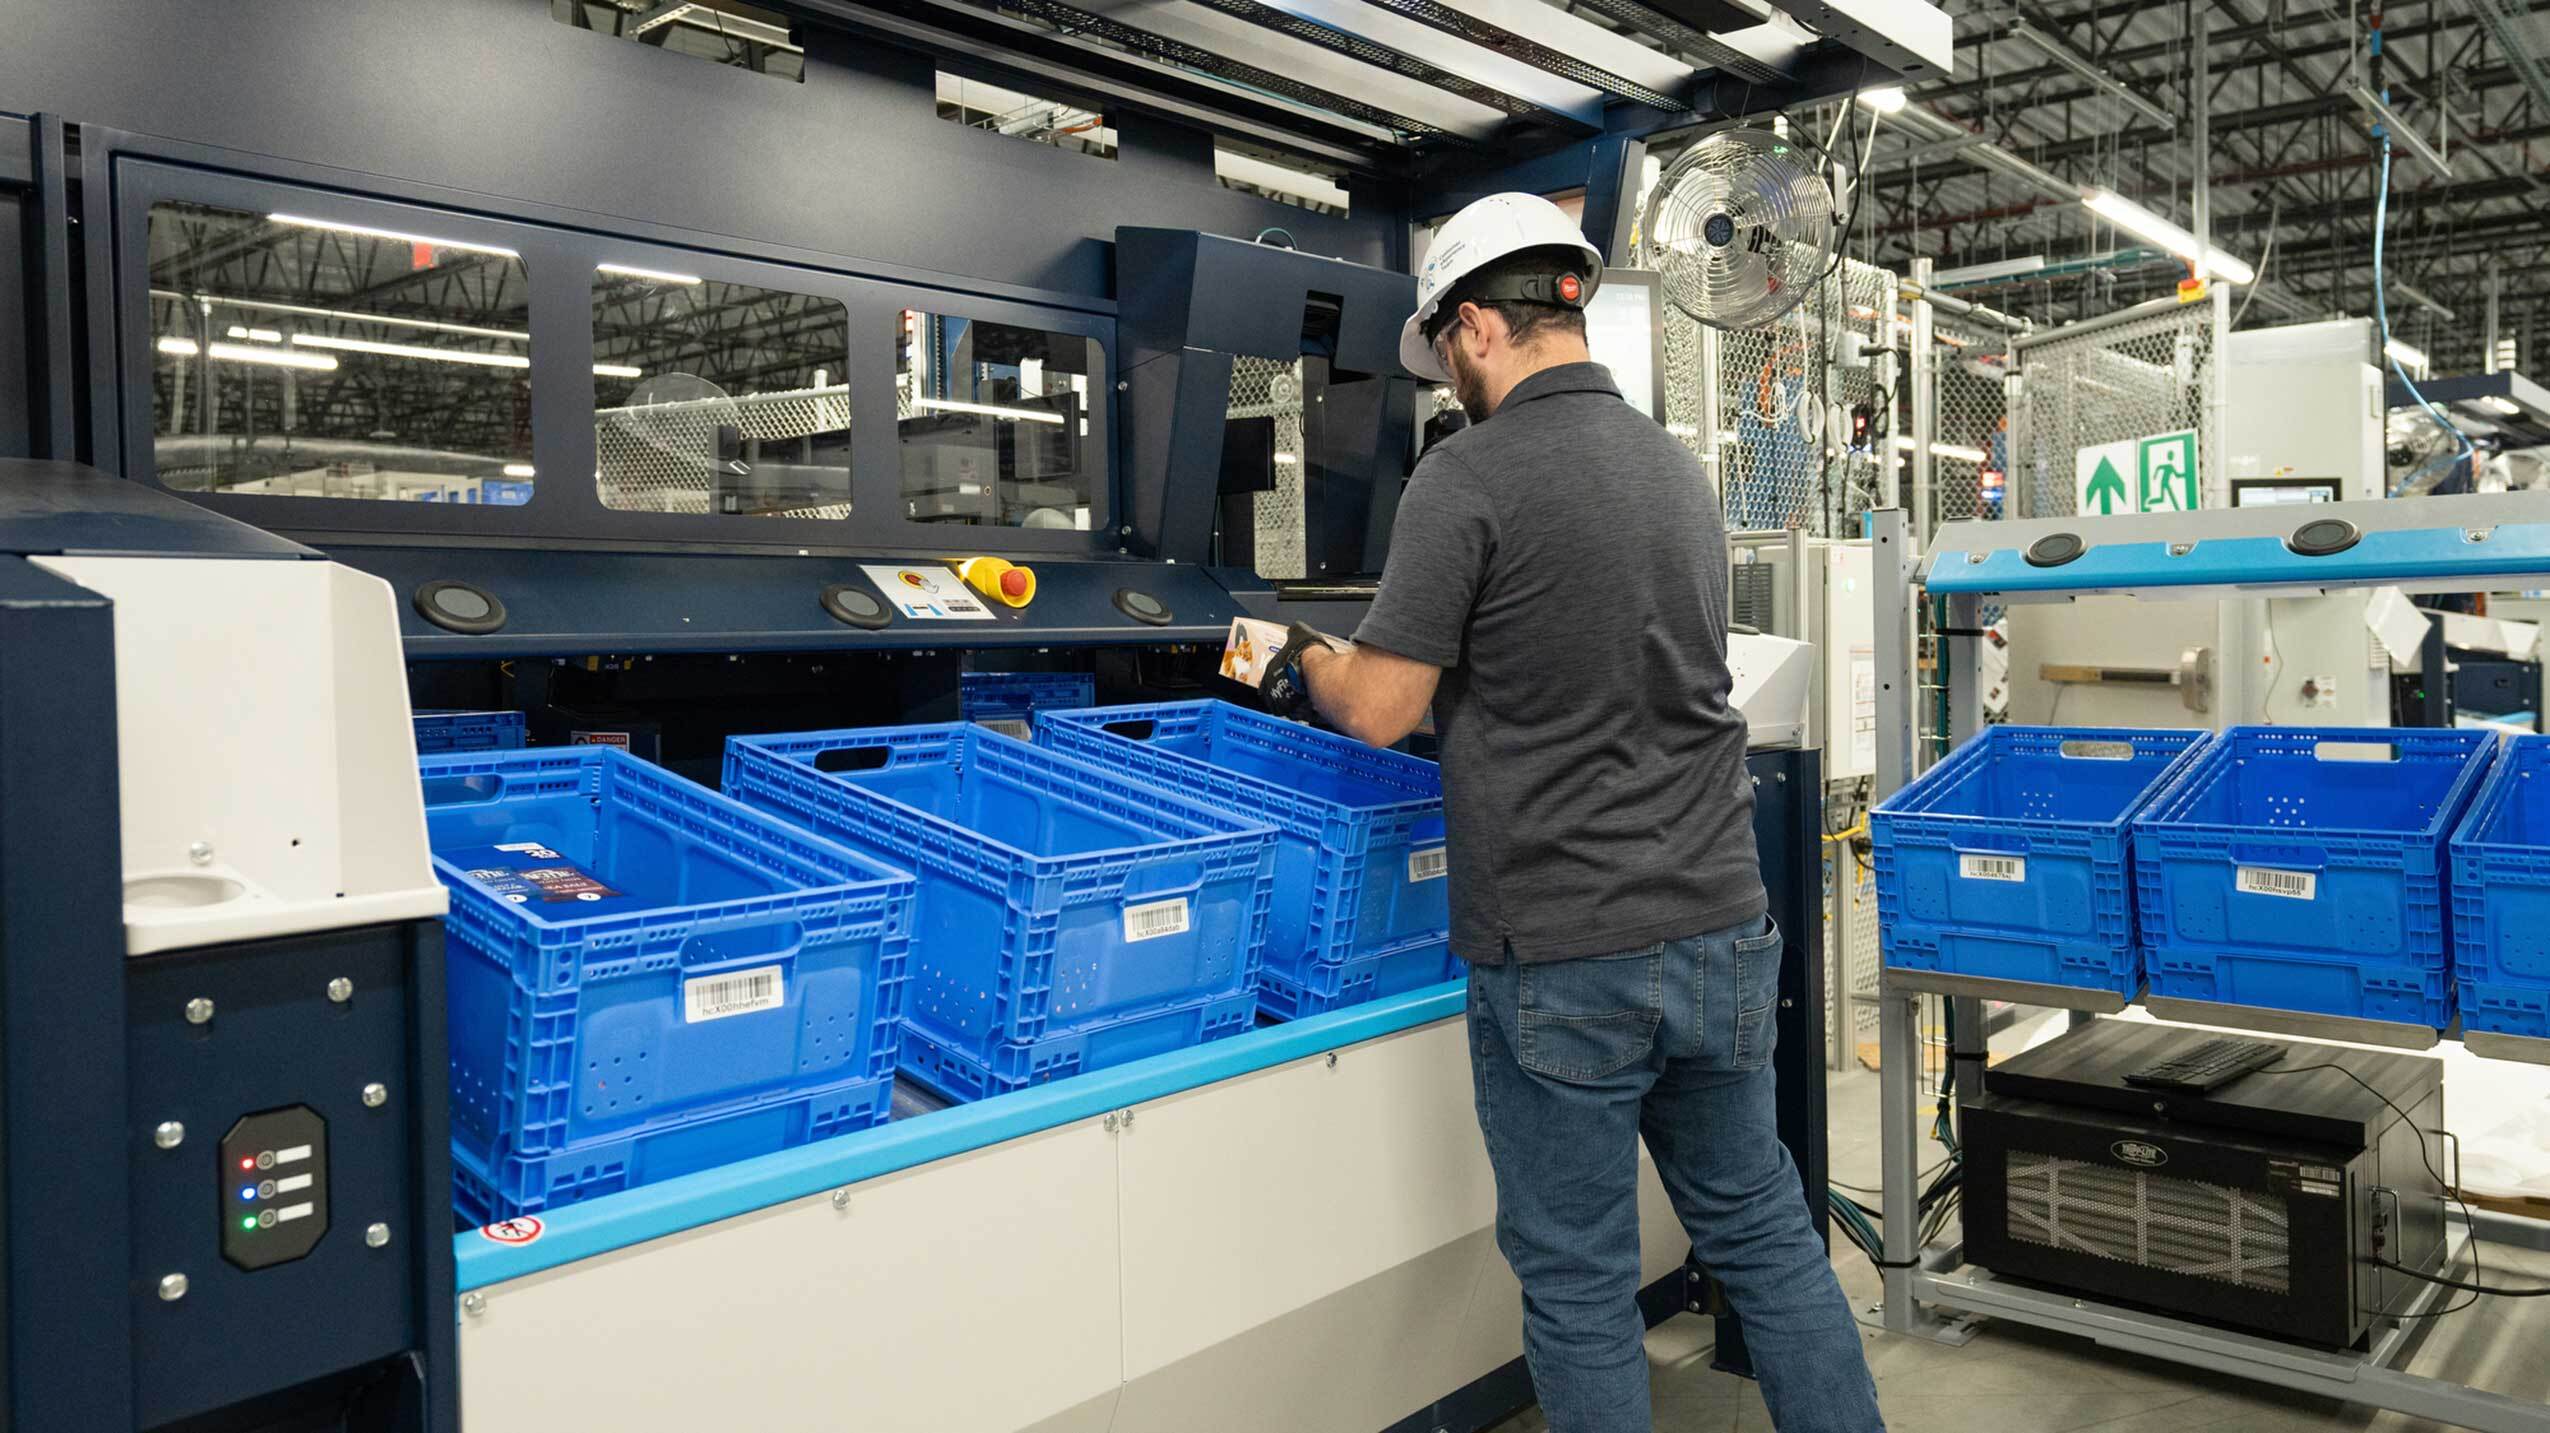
[1057, 897]
[960, 1076]
[683, 982]
[1008, 702]
[2011, 858]
[2501, 896]
[1360, 867]
[2299, 868]
[438, 732]
[1353, 982]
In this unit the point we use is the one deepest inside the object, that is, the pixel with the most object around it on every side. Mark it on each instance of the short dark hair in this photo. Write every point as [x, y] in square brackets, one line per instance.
[1527, 323]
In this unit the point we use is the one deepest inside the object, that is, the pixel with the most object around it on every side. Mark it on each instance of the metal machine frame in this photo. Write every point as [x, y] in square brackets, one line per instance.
[2439, 544]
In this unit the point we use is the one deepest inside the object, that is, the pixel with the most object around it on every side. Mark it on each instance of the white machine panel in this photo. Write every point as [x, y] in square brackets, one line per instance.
[1772, 675]
[1309, 1249]
[978, 1292]
[2305, 401]
[268, 759]
[1849, 706]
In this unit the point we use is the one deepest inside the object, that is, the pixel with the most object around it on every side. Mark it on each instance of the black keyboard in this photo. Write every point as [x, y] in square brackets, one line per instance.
[2211, 1065]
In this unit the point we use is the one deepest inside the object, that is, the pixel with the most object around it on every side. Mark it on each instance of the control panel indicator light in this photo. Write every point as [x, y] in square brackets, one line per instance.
[248, 1191]
[247, 1162]
[249, 1222]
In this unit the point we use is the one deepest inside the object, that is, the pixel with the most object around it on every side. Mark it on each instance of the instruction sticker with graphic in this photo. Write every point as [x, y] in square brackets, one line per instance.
[2137, 475]
[928, 592]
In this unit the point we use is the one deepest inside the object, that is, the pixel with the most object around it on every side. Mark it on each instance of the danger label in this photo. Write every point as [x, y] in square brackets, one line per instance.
[738, 992]
[515, 1232]
[1991, 868]
[1154, 919]
[2268, 881]
[1428, 864]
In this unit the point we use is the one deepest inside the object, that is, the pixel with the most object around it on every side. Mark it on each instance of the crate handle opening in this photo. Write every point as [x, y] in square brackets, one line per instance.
[748, 939]
[1137, 730]
[462, 790]
[2356, 751]
[853, 758]
[2083, 749]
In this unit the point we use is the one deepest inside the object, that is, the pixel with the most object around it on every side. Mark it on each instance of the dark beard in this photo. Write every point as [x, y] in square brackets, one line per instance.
[1467, 387]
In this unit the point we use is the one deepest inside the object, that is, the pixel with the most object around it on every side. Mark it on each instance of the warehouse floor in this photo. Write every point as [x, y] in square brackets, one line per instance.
[2018, 1380]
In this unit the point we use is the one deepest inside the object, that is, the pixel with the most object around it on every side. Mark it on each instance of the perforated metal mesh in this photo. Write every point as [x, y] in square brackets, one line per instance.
[1784, 398]
[1850, 987]
[2154, 1221]
[1265, 388]
[1970, 431]
[658, 457]
[2148, 376]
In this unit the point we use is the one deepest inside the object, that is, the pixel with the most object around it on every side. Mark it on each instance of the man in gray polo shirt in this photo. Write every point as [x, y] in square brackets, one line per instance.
[1557, 589]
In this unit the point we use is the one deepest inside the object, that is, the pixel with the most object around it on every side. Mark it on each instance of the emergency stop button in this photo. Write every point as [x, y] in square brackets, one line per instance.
[999, 579]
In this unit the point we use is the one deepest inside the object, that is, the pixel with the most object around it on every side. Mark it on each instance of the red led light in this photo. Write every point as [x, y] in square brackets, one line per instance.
[247, 1162]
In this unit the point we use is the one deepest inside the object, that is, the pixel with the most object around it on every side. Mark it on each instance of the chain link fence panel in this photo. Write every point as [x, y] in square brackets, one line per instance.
[2105, 382]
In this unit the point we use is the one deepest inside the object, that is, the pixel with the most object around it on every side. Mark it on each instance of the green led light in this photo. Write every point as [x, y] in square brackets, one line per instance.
[248, 1223]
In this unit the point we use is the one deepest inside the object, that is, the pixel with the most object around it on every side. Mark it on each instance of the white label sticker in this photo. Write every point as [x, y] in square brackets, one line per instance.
[739, 992]
[2268, 881]
[1154, 919]
[1428, 864]
[928, 592]
[1991, 868]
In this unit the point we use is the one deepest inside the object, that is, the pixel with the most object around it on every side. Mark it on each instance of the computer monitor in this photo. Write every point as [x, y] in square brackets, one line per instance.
[1625, 327]
[2266, 492]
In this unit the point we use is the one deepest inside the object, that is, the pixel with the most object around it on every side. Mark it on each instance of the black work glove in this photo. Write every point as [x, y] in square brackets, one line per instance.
[1284, 690]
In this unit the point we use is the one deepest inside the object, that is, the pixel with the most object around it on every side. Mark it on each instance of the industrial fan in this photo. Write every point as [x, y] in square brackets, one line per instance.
[1741, 227]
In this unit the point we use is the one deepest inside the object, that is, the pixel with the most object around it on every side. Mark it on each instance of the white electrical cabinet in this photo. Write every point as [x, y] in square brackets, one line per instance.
[1819, 591]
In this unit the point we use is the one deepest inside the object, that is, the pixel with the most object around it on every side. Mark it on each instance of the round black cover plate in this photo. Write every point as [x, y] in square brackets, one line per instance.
[851, 603]
[2322, 536]
[1143, 607]
[460, 607]
[2055, 548]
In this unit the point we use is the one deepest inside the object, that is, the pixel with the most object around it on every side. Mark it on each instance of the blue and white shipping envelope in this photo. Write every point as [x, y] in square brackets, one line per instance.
[526, 873]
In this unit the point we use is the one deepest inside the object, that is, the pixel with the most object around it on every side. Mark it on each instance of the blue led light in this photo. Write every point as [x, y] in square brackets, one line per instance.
[247, 1191]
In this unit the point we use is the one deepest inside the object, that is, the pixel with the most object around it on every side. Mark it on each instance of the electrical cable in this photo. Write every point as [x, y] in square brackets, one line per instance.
[2474, 1289]
[2382, 311]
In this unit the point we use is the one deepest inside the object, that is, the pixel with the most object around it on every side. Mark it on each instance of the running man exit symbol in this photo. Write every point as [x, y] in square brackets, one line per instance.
[2169, 472]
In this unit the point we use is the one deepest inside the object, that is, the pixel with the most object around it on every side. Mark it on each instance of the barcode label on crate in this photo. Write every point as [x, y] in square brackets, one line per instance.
[738, 992]
[1154, 919]
[2268, 881]
[1428, 864]
[1991, 868]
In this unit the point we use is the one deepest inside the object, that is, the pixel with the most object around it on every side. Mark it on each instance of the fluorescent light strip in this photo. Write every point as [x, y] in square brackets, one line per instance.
[2408, 356]
[348, 315]
[617, 370]
[2506, 406]
[658, 276]
[261, 335]
[1904, 443]
[518, 470]
[476, 357]
[241, 353]
[1890, 100]
[1022, 415]
[306, 222]
[2125, 214]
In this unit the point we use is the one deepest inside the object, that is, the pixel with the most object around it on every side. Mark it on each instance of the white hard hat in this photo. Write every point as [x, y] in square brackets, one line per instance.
[1478, 236]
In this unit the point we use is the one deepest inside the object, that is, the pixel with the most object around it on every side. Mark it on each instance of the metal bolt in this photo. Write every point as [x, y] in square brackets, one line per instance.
[1977, 559]
[841, 1199]
[169, 1135]
[340, 990]
[1122, 385]
[200, 853]
[375, 1095]
[1128, 1119]
[1332, 1059]
[172, 1287]
[1111, 1122]
[2477, 534]
[199, 1011]
[2181, 549]
[473, 1304]
[376, 1236]
[1780, 776]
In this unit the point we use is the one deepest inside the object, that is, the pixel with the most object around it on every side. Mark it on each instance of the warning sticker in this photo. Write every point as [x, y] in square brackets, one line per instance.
[1991, 868]
[1155, 919]
[1428, 864]
[526, 1229]
[2268, 881]
[738, 992]
[928, 593]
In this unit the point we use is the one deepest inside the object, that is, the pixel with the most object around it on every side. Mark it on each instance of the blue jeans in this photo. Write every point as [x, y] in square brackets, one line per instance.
[1575, 1060]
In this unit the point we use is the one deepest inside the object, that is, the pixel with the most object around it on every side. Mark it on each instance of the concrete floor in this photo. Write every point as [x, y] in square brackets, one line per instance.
[2011, 1379]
